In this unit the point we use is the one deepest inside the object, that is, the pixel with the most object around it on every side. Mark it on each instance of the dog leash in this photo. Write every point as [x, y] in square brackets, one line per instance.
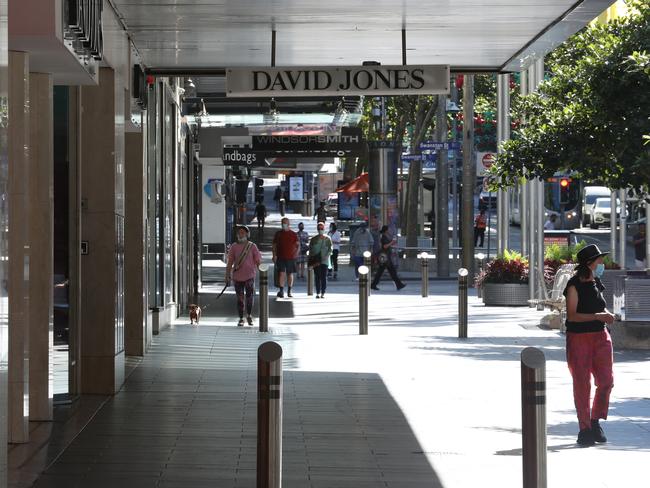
[222, 291]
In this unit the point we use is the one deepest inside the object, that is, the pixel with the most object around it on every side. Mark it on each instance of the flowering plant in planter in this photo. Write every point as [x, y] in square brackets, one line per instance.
[510, 267]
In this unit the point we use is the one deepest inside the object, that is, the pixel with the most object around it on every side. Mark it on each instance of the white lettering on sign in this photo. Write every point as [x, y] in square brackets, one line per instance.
[375, 80]
[234, 156]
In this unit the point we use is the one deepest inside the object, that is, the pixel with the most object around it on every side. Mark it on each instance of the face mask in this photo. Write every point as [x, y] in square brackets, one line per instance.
[321, 231]
[285, 226]
[242, 239]
[600, 269]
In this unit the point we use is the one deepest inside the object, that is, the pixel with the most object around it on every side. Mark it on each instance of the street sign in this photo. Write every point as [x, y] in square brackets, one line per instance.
[436, 145]
[381, 144]
[418, 157]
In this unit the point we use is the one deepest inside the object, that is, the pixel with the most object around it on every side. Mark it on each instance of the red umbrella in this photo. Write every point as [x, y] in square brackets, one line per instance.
[357, 185]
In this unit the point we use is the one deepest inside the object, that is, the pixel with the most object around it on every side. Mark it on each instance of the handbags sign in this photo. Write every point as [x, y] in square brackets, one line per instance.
[337, 80]
[237, 156]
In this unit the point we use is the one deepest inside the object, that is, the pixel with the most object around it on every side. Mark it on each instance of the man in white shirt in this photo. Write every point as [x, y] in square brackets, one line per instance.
[550, 223]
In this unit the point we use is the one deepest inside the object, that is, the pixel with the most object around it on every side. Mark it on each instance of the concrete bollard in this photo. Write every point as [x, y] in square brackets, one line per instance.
[269, 415]
[533, 417]
[264, 297]
[424, 261]
[363, 300]
[462, 303]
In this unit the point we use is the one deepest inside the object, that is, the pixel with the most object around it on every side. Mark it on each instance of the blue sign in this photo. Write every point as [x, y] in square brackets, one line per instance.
[435, 145]
[419, 157]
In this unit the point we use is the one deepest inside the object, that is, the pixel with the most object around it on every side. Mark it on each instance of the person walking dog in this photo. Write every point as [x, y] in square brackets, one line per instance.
[588, 344]
[243, 260]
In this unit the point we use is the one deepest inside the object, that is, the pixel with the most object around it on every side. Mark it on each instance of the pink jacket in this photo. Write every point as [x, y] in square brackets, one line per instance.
[248, 268]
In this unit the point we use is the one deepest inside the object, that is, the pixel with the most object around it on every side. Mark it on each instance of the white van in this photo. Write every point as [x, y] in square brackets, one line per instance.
[589, 196]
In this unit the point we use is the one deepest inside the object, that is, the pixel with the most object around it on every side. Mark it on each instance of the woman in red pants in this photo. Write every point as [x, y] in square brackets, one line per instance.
[588, 344]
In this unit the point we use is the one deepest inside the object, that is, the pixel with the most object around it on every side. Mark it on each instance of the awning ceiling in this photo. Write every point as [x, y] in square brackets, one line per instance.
[466, 34]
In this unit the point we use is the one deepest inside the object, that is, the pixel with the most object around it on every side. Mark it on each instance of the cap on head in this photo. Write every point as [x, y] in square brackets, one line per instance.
[320, 226]
[244, 227]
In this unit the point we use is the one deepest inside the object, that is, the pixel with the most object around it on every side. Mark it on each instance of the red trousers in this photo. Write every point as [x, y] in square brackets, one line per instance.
[588, 354]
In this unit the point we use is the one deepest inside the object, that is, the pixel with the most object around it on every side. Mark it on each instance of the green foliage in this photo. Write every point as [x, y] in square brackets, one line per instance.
[591, 114]
[509, 267]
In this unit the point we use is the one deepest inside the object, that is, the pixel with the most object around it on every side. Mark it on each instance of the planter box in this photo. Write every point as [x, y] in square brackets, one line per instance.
[505, 294]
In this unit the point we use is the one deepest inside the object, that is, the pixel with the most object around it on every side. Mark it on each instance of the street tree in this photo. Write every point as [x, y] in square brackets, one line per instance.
[592, 112]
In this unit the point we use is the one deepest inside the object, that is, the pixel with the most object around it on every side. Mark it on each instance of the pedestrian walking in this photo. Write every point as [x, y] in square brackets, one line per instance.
[303, 242]
[321, 213]
[383, 257]
[285, 252]
[480, 224]
[260, 214]
[361, 242]
[335, 237]
[320, 250]
[243, 260]
[588, 344]
[640, 247]
[276, 197]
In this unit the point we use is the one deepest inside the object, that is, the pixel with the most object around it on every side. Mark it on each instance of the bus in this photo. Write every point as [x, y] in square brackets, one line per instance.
[562, 194]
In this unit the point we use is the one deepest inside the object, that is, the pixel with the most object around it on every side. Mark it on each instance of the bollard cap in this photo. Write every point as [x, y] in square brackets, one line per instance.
[480, 256]
[533, 357]
[424, 255]
[269, 351]
[462, 272]
[263, 267]
[363, 270]
[366, 254]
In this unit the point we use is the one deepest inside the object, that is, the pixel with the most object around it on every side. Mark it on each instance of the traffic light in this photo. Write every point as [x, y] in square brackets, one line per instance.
[565, 184]
[259, 189]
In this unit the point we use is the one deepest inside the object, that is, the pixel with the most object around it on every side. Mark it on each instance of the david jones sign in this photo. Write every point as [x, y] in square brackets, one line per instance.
[341, 80]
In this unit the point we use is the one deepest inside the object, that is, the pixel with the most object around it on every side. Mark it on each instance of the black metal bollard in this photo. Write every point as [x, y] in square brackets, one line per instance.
[533, 417]
[363, 300]
[367, 262]
[424, 261]
[462, 303]
[310, 281]
[264, 297]
[269, 415]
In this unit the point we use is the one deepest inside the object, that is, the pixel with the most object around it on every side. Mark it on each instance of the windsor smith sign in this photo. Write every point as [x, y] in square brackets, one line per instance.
[337, 80]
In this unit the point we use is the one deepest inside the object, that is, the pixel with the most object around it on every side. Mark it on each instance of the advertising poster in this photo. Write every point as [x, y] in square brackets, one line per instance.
[296, 188]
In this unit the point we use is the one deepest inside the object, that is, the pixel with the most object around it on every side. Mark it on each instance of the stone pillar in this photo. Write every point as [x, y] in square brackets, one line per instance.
[19, 264]
[135, 304]
[102, 223]
[41, 244]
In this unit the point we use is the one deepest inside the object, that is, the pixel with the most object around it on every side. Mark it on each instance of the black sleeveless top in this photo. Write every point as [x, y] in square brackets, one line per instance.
[590, 300]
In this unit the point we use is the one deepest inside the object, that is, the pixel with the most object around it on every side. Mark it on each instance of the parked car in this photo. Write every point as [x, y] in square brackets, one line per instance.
[601, 212]
[589, 196]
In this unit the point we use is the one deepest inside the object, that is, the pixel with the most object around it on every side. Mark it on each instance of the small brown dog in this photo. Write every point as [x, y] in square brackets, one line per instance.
[195, 314]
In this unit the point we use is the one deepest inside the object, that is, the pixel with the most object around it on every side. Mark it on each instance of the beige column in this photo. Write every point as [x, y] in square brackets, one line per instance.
[41, 244]
[102, 354]
[135, 306]
[19, 264]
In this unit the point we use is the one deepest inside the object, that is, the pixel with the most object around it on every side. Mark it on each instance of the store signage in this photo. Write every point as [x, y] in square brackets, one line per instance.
[240, 156]
[348, 143]
[337, 80]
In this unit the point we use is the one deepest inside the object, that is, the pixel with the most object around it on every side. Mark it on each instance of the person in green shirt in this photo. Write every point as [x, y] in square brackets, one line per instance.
[320, 250]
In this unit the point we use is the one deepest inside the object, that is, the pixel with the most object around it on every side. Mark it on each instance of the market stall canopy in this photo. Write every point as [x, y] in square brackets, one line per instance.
[357, 185]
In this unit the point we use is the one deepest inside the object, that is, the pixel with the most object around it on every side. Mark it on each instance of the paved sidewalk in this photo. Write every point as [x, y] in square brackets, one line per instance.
[409, 405]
